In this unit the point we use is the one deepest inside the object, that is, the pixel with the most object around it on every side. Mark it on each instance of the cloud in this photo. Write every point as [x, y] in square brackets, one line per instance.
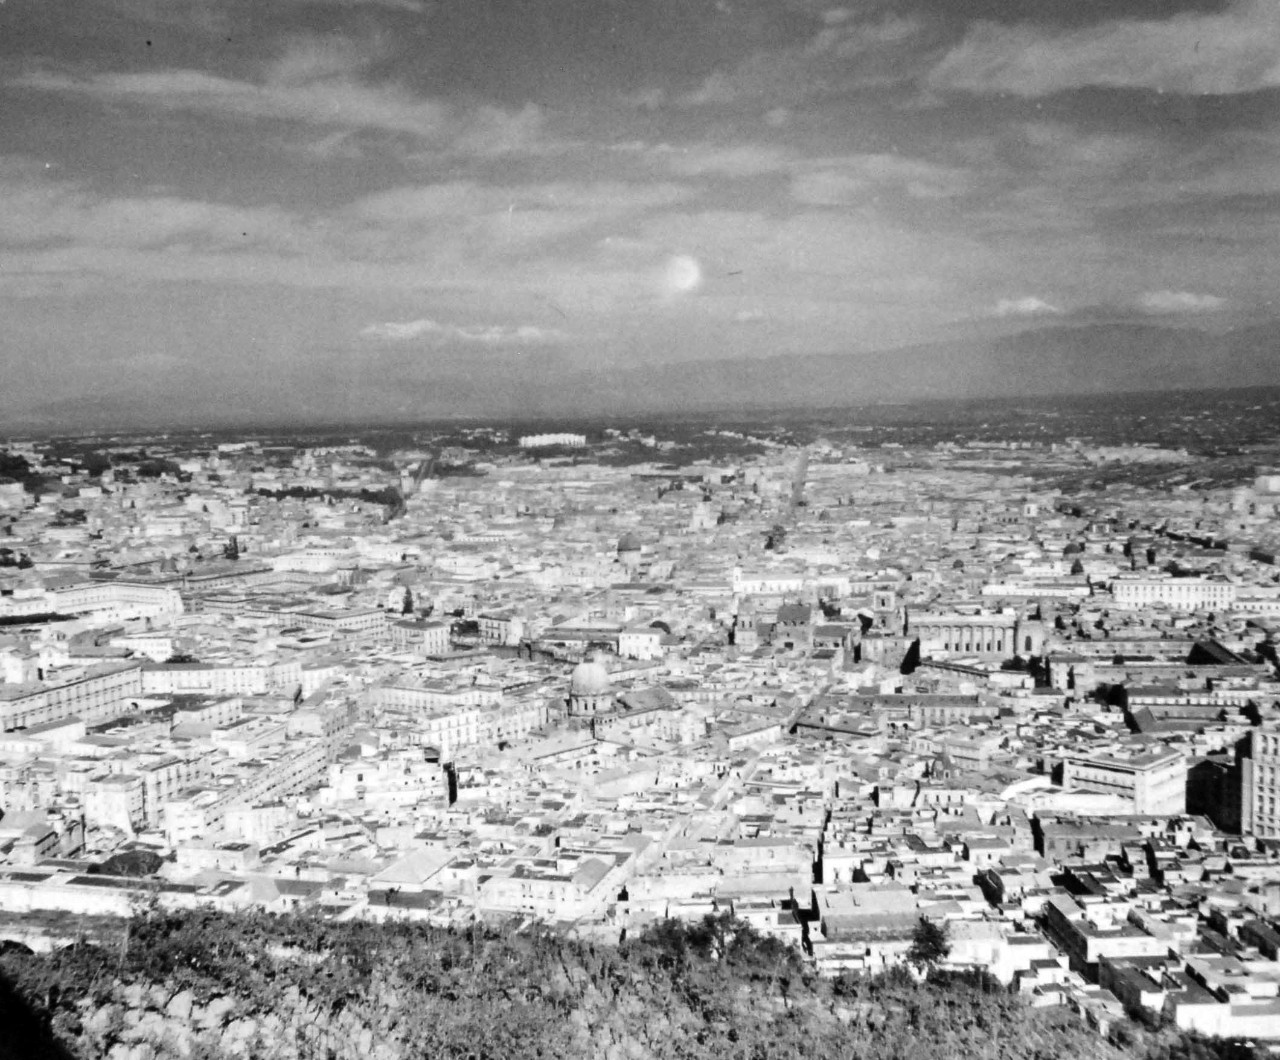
[847, 53]
[316, 81]
[720, 87]
[484, 334]
[223, 16]
[417, 7]
[919, 178]
[310, 58]
[857, 39]
[740, 160]
[838, 181]
[334, 102]
[1028, 306]
[651, 98]
[47, 284]
[820, 270]
[490, 131]
[200, 15]
[509, 218]
[1161, 302]
[394, 331]
[826, 188]
[44, 213]
[485, 244]
[340, 144]
[1235, 51]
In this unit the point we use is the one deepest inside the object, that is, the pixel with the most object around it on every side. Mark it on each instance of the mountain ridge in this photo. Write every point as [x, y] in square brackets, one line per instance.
[1064, 359]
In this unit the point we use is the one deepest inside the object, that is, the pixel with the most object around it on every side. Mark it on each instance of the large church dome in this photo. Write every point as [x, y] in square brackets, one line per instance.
[589, 679]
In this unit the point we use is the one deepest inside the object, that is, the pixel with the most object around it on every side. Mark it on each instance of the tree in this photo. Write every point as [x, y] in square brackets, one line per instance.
[232, 549]
[406, 607]
[132, 863]
[930, 943]
[911, 660]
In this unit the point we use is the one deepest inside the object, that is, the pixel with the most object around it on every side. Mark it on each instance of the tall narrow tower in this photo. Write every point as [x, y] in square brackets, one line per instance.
[797, 485]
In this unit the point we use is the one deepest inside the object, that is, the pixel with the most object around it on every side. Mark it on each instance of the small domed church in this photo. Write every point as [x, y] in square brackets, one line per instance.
[590, 690]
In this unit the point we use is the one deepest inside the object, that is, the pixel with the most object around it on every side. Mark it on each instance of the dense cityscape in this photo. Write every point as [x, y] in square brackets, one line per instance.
[840, 687]
[649, 530]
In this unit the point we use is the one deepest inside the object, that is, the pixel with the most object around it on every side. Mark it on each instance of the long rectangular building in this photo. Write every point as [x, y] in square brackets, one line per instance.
[91, 694]
[1184, 594]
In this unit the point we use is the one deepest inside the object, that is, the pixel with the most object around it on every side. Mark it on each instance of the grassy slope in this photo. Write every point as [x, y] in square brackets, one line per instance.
[206, 985]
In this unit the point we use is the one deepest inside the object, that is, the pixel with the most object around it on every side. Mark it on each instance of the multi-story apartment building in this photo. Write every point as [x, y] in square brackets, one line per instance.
[1260, 784]
[202, 809]
[500, 627]
[114, 800]
[401, 778]
[1154, 783]
[164, 777]
[514, 720]
[429, 638]
[369, 620]
[639, 642]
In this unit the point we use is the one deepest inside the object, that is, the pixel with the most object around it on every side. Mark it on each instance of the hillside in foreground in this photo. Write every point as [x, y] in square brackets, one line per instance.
[204, 985]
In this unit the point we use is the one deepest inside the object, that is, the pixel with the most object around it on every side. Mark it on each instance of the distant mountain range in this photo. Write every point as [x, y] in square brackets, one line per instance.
[1091, 358]
[1081, 359]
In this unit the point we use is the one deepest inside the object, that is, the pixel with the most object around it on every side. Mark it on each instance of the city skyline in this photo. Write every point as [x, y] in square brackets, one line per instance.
[338, 207]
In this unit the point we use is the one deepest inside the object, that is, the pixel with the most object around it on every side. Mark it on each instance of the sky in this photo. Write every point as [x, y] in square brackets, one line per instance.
[333, 203]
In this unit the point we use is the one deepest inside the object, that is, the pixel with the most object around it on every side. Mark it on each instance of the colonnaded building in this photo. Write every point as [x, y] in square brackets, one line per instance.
[539, 441]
